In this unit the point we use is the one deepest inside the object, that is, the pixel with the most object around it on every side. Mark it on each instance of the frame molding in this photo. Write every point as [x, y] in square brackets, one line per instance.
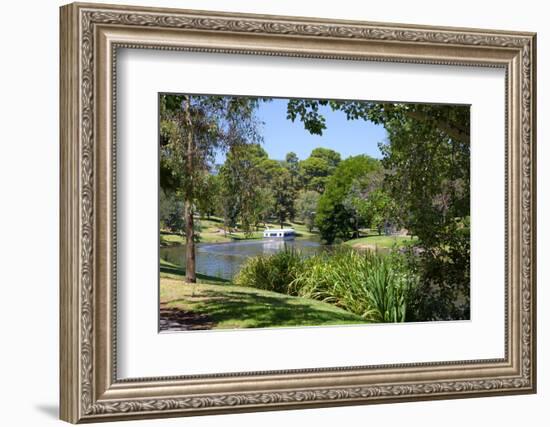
[90, 36]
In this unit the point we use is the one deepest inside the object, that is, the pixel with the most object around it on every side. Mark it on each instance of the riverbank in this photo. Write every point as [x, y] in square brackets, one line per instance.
[375, 241]
[214, 303]
[211, 231]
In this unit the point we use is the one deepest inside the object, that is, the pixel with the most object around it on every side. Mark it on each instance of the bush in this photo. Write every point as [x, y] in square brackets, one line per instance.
[444, 271]
[375, 287]
[271, 272]
[171, 212]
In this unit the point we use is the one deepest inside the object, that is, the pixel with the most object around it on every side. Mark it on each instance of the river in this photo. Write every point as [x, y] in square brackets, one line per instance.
[225, 259]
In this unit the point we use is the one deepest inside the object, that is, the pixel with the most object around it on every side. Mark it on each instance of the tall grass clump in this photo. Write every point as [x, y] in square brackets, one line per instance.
[271, 272]
[375, 287]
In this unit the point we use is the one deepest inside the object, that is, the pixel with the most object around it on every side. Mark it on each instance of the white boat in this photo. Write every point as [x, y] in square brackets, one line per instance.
[280, 233]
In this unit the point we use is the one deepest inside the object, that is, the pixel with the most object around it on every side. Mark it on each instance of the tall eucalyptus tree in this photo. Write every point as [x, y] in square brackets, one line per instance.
[193, 129]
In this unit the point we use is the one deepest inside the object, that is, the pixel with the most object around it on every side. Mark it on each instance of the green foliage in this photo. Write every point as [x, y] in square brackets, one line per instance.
[316, 169]
[292, 164]
[211, 202]
[377, 288]
[335, 218]
[374, 209]
[444, 271]
[308, 111]
[306, 207]
[243, 199]
[431, 180]
[268, 169]
[422, 183]
[451, 120]
[193, 129]
[255, 188]
[314, 173]
[171, 212]
[427, 163]
[271, 272]
[330, 156]
[283, 196]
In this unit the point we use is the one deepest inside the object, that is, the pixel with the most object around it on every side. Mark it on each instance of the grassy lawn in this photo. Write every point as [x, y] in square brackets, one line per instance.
[169, 239]
[301, 229]
[374, 241]
[213, 303]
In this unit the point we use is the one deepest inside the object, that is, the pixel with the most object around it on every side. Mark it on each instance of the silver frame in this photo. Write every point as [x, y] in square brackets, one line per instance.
[90, 37]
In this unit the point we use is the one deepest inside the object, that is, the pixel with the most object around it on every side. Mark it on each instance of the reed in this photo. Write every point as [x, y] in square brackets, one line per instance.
[376, 287]
[271, 272]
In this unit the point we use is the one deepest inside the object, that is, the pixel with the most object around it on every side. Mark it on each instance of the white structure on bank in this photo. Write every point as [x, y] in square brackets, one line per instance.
[280, 233]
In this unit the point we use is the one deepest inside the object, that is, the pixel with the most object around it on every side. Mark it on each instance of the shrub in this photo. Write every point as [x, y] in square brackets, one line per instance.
[444, 271]
[171, 212]
[376, 287]
[271, 272]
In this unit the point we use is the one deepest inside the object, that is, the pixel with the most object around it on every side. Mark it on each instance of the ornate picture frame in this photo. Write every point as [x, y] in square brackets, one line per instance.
[90, 37]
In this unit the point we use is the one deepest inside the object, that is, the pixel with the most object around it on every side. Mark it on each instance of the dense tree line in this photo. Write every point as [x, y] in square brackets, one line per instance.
[328, 195]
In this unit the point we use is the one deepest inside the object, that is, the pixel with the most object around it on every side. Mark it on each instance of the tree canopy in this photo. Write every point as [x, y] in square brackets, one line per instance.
[334, 218]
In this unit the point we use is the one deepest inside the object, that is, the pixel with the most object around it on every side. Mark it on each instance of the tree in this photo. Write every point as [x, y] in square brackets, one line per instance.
[171, 212]
[335, 218]
[283, 194]
[210, 203]
[332, 157]
[268, 169]
[264, 204]
[431, 177]
[244, 198]
[316, 169]
[306, 207]
[452, 120]
[427, 160]
[314, 172]
[292, 163]
[369, 201]
[375, 209]
[193, 129]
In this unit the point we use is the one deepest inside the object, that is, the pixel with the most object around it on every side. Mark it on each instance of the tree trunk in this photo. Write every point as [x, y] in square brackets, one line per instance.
[190, 265]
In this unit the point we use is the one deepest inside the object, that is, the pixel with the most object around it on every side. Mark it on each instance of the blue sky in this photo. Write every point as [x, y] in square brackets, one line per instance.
[348, 137]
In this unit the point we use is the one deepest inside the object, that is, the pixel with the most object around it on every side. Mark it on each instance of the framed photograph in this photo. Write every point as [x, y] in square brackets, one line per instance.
[267, 212]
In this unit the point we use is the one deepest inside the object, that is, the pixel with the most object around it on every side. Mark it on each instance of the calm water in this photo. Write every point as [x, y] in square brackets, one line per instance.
[225, 259]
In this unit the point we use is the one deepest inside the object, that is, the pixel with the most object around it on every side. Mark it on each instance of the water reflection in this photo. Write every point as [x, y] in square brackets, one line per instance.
[225, 259]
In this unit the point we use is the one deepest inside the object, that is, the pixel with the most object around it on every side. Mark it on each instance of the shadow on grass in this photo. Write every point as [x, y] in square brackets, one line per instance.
[254, 310]
[212, 219]
[174, 319]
